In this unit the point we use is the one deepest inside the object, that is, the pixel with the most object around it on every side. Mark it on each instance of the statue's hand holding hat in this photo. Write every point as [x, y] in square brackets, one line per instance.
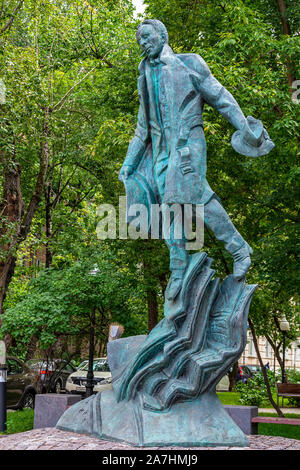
[252, 140]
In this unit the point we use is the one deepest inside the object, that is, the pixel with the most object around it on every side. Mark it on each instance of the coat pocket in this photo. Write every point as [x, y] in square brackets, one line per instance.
[185, 160]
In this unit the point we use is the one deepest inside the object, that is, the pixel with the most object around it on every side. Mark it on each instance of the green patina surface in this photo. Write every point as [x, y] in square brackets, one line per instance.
[164, 383]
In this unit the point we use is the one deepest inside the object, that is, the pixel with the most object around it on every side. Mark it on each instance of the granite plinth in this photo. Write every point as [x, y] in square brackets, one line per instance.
[49, 407]
[242, 416]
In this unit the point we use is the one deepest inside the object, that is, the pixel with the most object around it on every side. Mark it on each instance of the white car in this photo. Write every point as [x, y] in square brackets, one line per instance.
[76, 382]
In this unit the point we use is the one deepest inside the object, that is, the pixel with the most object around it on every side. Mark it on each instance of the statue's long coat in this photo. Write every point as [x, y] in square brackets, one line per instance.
[186, 84]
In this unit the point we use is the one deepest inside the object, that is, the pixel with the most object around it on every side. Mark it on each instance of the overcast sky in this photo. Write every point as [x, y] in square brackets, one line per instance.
[139, 5]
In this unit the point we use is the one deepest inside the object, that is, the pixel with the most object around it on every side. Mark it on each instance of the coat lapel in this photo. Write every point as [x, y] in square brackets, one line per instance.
[150, 88]
[176, 83]
[174, 76]
[143, 96]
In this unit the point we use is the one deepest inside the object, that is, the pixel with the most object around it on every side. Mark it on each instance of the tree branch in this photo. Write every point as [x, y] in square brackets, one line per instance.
[60, 103]
[266, 380]
[40, 181]
[287, 32]
[13, 15]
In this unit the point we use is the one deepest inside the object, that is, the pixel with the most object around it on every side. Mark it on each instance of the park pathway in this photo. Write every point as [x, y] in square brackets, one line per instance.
[55, 439]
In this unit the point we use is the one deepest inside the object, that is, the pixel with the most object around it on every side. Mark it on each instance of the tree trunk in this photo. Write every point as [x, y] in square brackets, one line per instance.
[152, 309]
[282, 10]
[232, 376]
[266, 380]
[286, 31]
[31, 349]
[48, 225]
[40, 181]
[151, 296]
[275, 350]
[78, 342]
[11, 210]
[163, 282]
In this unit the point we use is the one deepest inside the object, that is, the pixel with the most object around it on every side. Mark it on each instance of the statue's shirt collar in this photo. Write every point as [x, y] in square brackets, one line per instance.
[166, 57]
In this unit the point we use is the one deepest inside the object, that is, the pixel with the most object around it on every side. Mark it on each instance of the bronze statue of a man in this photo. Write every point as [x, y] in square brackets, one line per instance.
[168, 150]
[163, 384]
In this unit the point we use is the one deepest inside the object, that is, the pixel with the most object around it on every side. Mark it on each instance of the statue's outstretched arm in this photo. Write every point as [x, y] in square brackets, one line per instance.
[251, 138]
[222, 100]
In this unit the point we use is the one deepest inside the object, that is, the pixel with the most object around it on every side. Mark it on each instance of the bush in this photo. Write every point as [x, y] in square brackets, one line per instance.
[19, 421]
[293, 376]
[254, 392]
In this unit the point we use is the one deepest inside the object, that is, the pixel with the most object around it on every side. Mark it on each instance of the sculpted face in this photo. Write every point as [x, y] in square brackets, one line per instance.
[151, 41]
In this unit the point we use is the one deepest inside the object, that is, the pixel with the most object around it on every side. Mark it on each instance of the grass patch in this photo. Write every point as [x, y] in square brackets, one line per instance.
[229, 398]
[19, 421]
[282, 430]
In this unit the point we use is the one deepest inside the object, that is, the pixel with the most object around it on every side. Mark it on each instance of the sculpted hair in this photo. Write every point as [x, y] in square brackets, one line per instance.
[157, 25]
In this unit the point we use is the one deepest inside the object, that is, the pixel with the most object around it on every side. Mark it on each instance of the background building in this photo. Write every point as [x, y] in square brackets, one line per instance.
[249, 357]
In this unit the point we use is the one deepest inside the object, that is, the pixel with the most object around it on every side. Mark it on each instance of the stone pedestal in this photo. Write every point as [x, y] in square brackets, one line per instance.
[49, 407]
[242, 416]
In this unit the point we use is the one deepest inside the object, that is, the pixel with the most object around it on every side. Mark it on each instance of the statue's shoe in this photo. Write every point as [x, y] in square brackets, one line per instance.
[242, 261]
[173, 288]
[241, 267]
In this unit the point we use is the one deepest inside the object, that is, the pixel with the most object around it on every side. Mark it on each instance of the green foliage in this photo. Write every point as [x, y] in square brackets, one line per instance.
[293, 377]
[254, 392]
[59, 302]
[19, 421]
[73, 66]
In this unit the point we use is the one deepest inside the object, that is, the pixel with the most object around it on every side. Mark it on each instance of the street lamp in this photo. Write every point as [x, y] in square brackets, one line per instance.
[90, 374]
[284, 327]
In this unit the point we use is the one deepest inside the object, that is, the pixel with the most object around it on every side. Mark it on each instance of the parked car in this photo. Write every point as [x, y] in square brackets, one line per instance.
[76, 382]
[21, 386]
[82, 364]
[254, 369]
[52, 374]
[244, 374]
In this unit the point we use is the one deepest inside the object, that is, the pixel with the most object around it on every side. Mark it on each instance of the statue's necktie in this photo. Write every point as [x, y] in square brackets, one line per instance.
[154, 62]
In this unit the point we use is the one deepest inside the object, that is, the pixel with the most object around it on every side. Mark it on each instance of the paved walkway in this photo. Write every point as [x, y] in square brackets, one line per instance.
[55, 439]
[295, 411]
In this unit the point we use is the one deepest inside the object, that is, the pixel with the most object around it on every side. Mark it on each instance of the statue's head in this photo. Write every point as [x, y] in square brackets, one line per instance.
[151, 36]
